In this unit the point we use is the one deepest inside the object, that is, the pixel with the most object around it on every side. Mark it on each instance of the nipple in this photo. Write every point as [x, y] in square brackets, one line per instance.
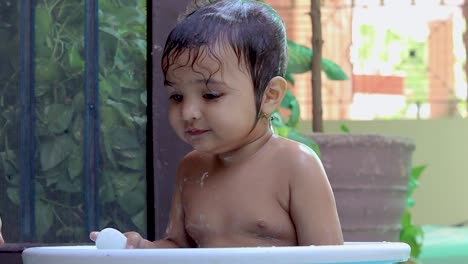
[261, 223]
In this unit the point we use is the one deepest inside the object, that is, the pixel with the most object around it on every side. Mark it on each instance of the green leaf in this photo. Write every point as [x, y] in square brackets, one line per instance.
[59, 117]
[293, 119]
[105, 88]
[406, 219]
[277, 120]
[68, 185]
[74, 59]
[106, 138]
[300, 57]
[141, 44]
[77, 129]
[13, 195]
[9, 166]
[110, 31]
[78, 102]
[300, 61]
[132, 100]
[124, 138]
[122, 111]
[43, 22]
[289, 77]
[55, 150]
[144, 98]
[287, 99]
[139, 220]
[344, 128]
[122, 182]
[417, 171]
[110, 117]
[48, 71]
[75, 165]
[413, 236]
[333, 71]
[136, 162]
[141, 120]
[132, 202]
[106, 195]
[290, 102]
[128, 81]
[44, 218]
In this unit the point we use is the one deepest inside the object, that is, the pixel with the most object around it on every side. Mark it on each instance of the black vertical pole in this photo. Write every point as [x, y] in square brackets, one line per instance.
[168, 148]
[150, 212]
[91, 155]
[27, 133]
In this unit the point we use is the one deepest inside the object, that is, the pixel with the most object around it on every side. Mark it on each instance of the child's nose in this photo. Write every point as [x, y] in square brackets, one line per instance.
[190, 111]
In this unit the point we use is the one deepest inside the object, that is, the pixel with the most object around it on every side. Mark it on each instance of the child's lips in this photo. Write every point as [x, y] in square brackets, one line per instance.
[196, 132]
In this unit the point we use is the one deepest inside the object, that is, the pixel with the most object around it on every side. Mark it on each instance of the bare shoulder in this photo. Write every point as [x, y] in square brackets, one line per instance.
[193, 162]
[299, 156]
[312, 203]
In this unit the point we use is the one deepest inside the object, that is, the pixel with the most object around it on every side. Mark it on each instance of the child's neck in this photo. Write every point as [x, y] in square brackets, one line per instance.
[246, 151]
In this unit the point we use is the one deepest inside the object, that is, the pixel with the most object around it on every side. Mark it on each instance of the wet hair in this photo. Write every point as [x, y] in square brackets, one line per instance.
[251, 28]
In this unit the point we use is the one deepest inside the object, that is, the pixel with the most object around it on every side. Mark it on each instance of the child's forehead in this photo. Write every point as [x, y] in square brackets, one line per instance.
[216, 58]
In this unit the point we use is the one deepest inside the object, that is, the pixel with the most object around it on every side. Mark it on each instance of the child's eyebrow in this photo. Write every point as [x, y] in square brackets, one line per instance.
[210, 81]
[167, 83]
[199, 81]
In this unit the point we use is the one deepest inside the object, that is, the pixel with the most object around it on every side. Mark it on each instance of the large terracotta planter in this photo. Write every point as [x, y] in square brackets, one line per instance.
[369, 177]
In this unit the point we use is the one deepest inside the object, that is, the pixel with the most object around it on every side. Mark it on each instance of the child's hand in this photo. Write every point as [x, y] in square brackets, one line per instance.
[134, 240]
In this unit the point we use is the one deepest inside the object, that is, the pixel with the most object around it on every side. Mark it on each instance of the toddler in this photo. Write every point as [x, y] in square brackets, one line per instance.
[241, 186]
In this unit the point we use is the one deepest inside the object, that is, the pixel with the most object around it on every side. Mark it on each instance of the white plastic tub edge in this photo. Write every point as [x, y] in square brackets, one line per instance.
[367, 252]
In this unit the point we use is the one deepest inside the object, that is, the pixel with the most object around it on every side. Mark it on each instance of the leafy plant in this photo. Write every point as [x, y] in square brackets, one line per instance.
[300, 58]
[410, 233]
[60, 106]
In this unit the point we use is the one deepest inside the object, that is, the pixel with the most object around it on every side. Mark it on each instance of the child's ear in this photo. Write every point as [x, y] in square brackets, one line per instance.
[274, 94]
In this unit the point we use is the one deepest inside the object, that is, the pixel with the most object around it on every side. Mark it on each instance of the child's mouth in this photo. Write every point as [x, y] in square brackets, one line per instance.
[195, 132]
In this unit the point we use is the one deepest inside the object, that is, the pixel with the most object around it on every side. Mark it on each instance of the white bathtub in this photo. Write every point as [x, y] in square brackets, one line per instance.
[369, 253]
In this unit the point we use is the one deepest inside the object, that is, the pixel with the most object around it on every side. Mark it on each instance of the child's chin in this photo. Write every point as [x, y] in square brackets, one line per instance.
[203, 148]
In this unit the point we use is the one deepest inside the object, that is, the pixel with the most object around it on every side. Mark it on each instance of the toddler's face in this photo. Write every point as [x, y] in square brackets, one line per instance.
[212, 105]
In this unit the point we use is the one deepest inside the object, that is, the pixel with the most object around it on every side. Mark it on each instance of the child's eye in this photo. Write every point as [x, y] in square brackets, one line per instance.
[211, 96]
[176, 98]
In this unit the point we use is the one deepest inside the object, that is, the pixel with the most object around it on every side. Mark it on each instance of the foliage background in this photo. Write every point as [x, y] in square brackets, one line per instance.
[59, 109]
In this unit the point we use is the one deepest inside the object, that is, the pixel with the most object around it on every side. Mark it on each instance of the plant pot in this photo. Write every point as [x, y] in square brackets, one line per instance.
[369, 177]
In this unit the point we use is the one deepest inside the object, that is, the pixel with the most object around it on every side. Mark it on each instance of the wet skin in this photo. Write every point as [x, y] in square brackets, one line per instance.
[249, 203]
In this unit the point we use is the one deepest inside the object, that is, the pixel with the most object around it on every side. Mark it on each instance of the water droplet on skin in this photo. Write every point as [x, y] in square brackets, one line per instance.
[203, 177]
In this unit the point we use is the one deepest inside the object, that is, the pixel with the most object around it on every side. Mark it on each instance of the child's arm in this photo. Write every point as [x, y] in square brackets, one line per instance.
[312, 204]
[175, 233]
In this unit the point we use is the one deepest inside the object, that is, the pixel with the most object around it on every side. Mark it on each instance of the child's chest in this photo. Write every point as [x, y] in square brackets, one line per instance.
[248, 208]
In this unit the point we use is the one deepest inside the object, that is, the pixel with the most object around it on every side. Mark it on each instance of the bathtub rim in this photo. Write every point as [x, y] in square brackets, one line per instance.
[351, 252]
